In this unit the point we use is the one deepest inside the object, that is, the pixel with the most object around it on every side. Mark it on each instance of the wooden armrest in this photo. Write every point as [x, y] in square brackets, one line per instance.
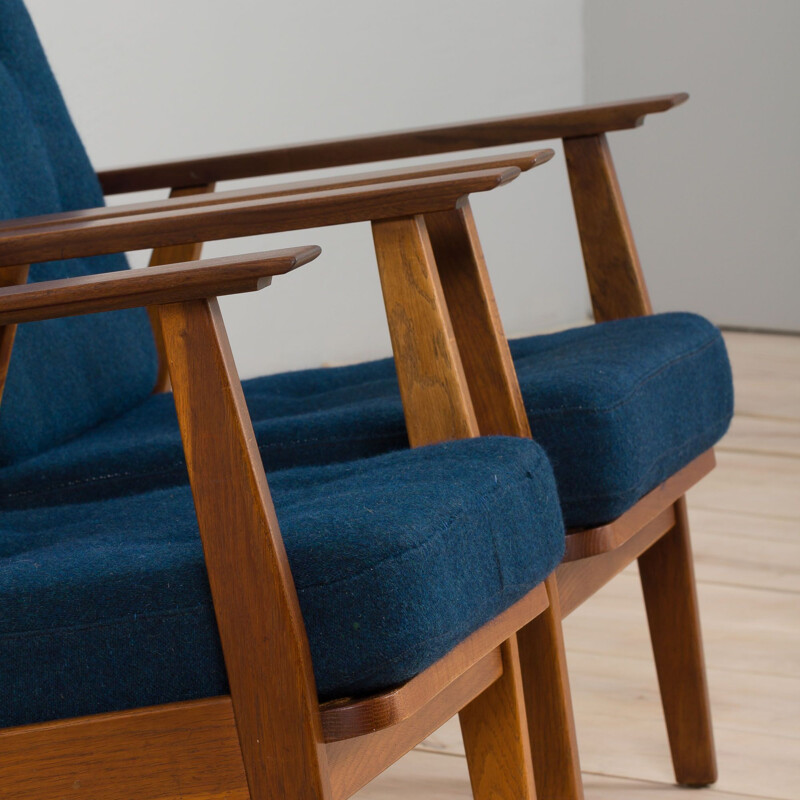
[523, 161]
[69, 235]
[171, 283]
[580, 121]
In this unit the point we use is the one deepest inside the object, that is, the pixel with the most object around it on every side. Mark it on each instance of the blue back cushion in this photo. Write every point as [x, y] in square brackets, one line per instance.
[65, 375]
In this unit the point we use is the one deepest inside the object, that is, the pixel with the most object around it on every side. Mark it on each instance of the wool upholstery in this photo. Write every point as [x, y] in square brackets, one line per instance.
[65, 375]
[618, 407]
[396, 559]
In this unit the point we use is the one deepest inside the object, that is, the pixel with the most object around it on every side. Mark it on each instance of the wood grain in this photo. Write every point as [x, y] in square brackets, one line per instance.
[89, 294]
[579, 580]
[198, 196]
[172, 255]
[436, 399]
[548, 702]
[496, 739]
[581, 121]
[255, 602]
[613, 271]
[494, 388]
[71, 237]
[668, 583]
[178, 750]
[355, 762]
[485, 355]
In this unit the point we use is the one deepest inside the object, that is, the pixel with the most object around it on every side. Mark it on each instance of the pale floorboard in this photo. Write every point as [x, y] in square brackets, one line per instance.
[763, 435]
[745, 520]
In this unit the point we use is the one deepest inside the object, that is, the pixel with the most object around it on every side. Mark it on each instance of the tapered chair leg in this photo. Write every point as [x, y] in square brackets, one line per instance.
[670, 595]
[549, 704]
[495, 734]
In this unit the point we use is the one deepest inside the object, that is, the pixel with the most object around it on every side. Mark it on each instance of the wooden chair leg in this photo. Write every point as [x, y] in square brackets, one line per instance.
[494, 727]
[548, 704]
[670, 595]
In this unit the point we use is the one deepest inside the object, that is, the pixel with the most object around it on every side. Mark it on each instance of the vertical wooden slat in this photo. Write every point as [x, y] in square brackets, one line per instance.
[549, 703]
[495, 734]
[263, 637]
[435, 394]
[496, 394]
[482, 344]
[613, 271]
[436, 399]
[172, 254]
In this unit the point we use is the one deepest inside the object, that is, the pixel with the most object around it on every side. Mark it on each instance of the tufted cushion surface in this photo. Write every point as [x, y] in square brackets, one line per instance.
[106, 606]
[618, 407]
[65, 375]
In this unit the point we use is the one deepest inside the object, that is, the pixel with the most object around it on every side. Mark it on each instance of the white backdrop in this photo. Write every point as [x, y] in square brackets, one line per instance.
[157, 79]
[713, 187]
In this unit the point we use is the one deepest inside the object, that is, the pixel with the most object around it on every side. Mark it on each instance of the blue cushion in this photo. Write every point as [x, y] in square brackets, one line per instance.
[618, 407]
[65, 375]
[106, 606]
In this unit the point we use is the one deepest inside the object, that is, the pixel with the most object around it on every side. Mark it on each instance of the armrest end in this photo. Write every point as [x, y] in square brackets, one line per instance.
[170, 283]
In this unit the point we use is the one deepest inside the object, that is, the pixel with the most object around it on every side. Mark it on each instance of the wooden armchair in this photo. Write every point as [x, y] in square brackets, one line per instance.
[271, 737]
[455, 371]
[136, 665]
[651, 523]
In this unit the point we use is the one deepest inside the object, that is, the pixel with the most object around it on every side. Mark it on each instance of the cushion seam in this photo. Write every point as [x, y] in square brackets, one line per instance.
[475, 501]
[88, 626]
[634, 390]
[489, 603]
[182, 463]
[680, 448]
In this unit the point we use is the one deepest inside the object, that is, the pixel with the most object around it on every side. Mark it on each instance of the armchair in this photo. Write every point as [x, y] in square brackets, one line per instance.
[283, 659]
[623, 480]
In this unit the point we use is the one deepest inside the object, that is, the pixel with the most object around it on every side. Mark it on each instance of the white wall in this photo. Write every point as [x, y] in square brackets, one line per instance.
[712, 187]
[156, 79]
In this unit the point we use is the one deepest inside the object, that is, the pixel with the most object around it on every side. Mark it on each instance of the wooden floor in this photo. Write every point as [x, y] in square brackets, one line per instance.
[746, 533]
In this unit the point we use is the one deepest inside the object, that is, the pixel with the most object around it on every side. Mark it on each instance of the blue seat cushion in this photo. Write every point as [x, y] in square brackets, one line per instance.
[618, 407]
[65, 375]
[105, 606]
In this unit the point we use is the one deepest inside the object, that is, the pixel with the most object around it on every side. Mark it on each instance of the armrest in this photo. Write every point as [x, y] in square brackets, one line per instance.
[580, 121]
[70, 235]
[171, 283]
[523, 161]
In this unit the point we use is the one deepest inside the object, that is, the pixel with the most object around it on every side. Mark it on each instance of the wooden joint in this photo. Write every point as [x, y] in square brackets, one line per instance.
[614, 274]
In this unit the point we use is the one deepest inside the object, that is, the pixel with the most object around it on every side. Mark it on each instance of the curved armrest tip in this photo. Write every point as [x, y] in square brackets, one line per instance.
[507, 175]
[307, 254]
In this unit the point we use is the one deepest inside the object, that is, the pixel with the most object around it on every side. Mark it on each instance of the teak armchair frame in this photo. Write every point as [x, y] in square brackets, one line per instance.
[271, 738]
[655, 531]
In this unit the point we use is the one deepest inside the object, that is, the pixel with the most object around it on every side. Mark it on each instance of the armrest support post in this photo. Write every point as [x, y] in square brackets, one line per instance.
[174, 254]
[263, 637]
[613, 271]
